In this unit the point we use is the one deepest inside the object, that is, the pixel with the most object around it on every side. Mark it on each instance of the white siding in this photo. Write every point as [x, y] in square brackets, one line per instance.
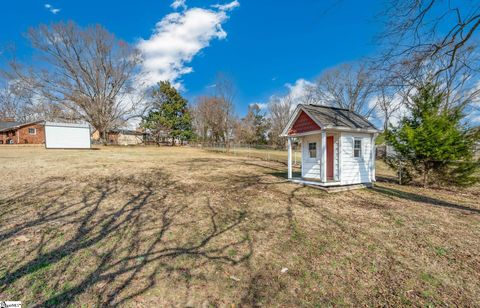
[67, 136]
[355, 170]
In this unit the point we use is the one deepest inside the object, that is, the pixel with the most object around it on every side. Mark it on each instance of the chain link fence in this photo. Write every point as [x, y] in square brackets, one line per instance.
[265, 152]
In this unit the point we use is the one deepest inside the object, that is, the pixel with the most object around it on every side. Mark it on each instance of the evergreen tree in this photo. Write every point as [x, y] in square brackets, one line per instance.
[433, 143]
[169, 116]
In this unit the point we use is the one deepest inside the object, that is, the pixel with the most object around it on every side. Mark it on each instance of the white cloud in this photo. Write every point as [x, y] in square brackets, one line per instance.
[400, 110]
[262, 106]
[52, 9]
[177, 38]
[179, 4]
[299, 90]
[297, 93]
[227, 7]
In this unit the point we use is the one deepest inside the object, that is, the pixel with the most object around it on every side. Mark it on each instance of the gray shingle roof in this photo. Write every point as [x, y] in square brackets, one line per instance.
[8, 124]
[5, 125]
[125, 131]
[332, 116]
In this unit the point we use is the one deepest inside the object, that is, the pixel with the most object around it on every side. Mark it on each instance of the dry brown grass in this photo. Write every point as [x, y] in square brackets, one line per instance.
[177, 226]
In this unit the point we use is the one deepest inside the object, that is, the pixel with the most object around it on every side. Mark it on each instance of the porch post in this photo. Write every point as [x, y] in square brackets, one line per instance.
[323, 158]
[339, 178]
[372, 158]
[289, 157]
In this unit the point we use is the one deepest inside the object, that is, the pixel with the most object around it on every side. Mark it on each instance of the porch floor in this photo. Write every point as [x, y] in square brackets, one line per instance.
[329, 186]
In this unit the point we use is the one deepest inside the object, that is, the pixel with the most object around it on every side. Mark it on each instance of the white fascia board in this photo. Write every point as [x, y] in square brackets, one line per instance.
[313, 132]
[290, 122]
[350, 129]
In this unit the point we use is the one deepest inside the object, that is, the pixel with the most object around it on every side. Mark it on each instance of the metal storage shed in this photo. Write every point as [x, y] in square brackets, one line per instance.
[67, 136]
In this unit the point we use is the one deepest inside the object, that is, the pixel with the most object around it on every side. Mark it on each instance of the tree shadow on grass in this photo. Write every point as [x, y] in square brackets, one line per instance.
[284, 175]
[119, 241]
[399, 194]
[391, 192]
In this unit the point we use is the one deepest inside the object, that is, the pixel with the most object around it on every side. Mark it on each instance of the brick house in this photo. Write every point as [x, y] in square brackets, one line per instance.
[123, 137]
[12, 132]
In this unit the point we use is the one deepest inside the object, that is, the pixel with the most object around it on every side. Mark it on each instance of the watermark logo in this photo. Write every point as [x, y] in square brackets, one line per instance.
[10, 304]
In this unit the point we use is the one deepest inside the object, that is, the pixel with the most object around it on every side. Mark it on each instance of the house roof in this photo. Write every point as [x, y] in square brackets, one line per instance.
[5, 126]
[126, 131]
[8, 124]
[332, 117]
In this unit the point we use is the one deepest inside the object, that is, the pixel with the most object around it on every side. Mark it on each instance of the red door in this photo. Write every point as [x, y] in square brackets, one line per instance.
[330, 159]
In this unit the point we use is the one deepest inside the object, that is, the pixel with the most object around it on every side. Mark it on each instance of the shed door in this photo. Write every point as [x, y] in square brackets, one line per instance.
[311, 157]
[330, 157]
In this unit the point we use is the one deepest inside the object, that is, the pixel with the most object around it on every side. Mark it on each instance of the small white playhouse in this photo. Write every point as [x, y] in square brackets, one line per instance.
[338, 146]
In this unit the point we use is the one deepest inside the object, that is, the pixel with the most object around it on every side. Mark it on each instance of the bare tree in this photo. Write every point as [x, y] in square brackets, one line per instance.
[85, 71]
[12, 105]
[225, 94]
[425, 31]
[348, 86]
[200, 114]
[212, 119]
[20, 104]
[280, 109]
[432, 41]
[387, 105]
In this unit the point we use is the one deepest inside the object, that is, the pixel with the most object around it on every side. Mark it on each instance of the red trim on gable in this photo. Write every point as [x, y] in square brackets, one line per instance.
[303, 124]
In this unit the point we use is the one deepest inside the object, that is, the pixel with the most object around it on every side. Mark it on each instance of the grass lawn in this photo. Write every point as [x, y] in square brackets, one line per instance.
[264, 154]
[152, 227]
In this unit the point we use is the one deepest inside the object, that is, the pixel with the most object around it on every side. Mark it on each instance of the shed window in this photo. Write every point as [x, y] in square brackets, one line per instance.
[32, 131]
[312, 149]
[357, 148]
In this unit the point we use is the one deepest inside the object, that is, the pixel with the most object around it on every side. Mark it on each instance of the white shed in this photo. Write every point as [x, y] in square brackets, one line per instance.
[338, 146]
[67, 136]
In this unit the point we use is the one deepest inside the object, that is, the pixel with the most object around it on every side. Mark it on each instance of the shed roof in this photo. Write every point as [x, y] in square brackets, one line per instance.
[330, 118]
[337, 117]
[74, 125]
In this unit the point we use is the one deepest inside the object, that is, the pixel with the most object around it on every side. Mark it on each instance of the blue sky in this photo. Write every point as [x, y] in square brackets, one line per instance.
[262, 45]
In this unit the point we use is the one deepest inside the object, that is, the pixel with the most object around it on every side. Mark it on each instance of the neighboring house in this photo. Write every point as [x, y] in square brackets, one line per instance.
[338, 146]
[53, 135]
[122, 137]
[12, 132]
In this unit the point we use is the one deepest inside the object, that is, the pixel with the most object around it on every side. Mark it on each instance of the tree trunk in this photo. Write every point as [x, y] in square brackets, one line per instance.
[425, 174]
[103, 137]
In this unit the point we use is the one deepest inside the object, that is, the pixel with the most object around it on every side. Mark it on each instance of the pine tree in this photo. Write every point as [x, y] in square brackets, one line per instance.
[169, 115]
[433, 143]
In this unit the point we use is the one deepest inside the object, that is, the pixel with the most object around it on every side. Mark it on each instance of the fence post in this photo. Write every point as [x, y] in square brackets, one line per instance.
[400, 173]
